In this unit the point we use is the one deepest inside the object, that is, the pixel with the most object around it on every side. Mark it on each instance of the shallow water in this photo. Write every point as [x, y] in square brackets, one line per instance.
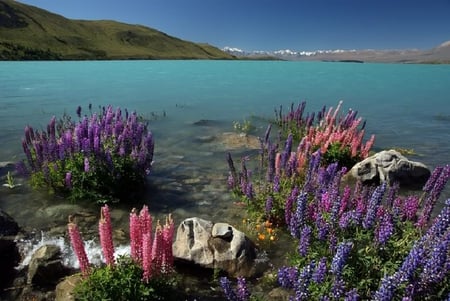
[191, 104]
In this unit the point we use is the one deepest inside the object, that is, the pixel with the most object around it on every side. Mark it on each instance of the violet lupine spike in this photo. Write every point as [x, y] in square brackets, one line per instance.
[410, 207]
[386, 290]
[230, 294]
[320, 271]
[372, 207]
[78, 247]
[105, 232]
[304, 241]
[269, 206]
[385, 228]
[340, 258]
[435, 266]
[338, 288]
[433, 178]
[323, 228]
[242, 290]
[289, 205]
[351, 295]
[286, 152]
[304, 279]
[299, 217]
[287, 277]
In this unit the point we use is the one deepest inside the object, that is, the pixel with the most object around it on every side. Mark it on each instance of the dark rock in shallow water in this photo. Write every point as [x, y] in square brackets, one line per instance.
[9, 252]
[206, 122]
[391, 166]
[46, 267]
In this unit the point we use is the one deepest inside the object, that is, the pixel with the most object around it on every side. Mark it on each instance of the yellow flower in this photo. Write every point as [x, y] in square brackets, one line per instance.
[261, 236]
[272, 238]
[267, 224]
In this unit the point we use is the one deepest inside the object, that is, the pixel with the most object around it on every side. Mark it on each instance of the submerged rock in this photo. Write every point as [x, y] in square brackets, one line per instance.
[216, 246]
[391, 166]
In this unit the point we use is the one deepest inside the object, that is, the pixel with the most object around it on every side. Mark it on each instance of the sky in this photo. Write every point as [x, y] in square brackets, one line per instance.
[277, 24]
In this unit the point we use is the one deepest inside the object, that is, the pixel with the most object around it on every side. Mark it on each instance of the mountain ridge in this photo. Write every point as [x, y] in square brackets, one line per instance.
[439, 54]
[29, 32]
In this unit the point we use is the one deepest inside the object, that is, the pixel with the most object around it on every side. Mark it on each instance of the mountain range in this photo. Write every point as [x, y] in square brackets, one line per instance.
[436, 55]
[31, 33]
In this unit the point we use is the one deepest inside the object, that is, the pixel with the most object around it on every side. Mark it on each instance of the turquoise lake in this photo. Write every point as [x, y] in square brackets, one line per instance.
[404, 105]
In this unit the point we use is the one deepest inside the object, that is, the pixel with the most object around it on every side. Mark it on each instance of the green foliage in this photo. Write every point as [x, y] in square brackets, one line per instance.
[340, 154]
[124, 282]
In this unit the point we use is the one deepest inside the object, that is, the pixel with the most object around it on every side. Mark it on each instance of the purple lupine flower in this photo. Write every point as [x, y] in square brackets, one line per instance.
[314, 163]
[276, 183]
[338, 288]
[339, 259]
[441, 181]
[243, 293]
[298, 219]
[249, 191]
[352, 295]
[286, 152]
[433, 178]
[322, 226]
[86, 164]
[271, 149]
[410, 207]
[321, 270]
[68, 180]
[349, 218]
[230, 294]
[372, 207]
[289, 204]
[385, 228]
[287, 277]
[434, 268]
[302, 284]
[392, 194]
[332, 242]
[412, 261]
[386, 290]
[304, 240]
[233, 173]
[345, 200]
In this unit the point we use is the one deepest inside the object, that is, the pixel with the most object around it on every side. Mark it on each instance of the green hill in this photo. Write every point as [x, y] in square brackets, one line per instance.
[31, 33]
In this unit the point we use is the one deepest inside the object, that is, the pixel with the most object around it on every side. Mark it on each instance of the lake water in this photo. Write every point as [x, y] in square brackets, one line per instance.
[404, 105]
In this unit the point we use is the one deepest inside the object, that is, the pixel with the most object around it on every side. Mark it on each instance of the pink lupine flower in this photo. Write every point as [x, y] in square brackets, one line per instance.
[135, 237]
[145, 221]
[146, 257]
[78, 247]
[167, 234]
[157, 247]
[105, 231]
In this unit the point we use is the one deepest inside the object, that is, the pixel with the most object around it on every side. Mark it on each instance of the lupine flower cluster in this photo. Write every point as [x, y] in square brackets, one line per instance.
[94, 158]
[353, 243]
[329, 138]
[155, 257]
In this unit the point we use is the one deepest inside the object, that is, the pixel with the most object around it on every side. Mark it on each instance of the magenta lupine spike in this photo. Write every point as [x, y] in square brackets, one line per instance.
[135, 237]
[78, 247]
[167, 235]
[157, 249]
[105, 231]
[145, 220]
[146, 257]
[68, 180]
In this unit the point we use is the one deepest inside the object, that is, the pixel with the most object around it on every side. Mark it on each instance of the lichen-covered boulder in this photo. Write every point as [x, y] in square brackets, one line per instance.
[216, 246]
[390, 166]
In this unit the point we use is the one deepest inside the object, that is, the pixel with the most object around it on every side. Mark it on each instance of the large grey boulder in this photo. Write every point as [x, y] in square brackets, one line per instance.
[216, 246]
[390, 166]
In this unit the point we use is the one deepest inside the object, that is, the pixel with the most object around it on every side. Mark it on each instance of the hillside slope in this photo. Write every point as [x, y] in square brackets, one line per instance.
[28, 32]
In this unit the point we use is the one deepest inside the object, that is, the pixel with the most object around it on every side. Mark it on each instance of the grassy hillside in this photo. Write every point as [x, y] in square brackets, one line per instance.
[28, 32]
